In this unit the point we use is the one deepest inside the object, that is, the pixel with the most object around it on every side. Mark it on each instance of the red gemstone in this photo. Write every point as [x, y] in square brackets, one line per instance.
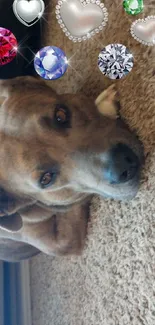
[8, 46]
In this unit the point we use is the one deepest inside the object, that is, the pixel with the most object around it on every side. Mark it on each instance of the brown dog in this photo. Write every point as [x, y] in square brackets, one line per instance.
[55, 152]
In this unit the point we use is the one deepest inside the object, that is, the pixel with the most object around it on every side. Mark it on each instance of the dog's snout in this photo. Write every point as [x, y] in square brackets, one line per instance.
[123, 164]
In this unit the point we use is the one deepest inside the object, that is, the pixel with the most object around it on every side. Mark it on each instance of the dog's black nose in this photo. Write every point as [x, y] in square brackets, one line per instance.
[123, 164]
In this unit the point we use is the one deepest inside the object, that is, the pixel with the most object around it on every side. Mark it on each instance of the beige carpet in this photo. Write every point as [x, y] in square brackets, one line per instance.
[113, 282]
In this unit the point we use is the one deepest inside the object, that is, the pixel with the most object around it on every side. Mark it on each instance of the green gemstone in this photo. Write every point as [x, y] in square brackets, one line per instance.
[133, 7]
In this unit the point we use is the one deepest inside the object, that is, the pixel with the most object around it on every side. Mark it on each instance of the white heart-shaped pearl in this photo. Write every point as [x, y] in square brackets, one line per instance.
[143, 30]
[28, 12]
[81, 20]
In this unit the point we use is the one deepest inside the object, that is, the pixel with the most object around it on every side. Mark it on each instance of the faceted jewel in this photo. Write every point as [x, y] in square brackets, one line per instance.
[50, 63]
[8, 46]
[115, 61]
[133, 7]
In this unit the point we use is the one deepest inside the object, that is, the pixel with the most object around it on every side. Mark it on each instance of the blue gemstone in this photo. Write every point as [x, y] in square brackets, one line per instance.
[50, 63]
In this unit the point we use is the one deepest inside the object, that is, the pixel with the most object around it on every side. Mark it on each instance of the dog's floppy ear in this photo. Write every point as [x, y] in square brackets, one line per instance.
[22, 83]
[107, 102]
[9, 85]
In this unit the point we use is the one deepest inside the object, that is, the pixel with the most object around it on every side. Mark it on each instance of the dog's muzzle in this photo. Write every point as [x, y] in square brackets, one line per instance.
[123, 165]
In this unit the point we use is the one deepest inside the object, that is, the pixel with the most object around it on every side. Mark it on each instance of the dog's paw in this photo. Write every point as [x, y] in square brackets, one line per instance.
[107, 102]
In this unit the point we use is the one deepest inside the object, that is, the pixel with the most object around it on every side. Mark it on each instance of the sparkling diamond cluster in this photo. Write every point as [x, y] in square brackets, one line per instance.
[92, 33]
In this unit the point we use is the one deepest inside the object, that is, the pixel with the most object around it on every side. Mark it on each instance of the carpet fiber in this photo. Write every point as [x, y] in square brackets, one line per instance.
[113, 282]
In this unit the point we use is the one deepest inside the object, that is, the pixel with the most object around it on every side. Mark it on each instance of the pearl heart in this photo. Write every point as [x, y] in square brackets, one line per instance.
[28, 12]
[81, 19]
[143, 30]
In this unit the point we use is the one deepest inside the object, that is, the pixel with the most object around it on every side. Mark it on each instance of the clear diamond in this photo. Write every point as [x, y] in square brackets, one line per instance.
[115, 61]
[50, 62]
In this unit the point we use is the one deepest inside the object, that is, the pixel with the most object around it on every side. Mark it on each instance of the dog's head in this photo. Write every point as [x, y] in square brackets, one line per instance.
[57, 149]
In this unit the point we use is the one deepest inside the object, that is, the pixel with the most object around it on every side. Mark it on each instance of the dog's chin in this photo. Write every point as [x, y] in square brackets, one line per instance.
[121, 197]
[122, 192]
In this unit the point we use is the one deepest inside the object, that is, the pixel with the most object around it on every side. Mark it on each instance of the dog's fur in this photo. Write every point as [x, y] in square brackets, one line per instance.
[53, 220]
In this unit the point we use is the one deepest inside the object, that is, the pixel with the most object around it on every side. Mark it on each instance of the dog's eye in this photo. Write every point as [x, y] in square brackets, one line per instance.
[47, 179]
[62, 115]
